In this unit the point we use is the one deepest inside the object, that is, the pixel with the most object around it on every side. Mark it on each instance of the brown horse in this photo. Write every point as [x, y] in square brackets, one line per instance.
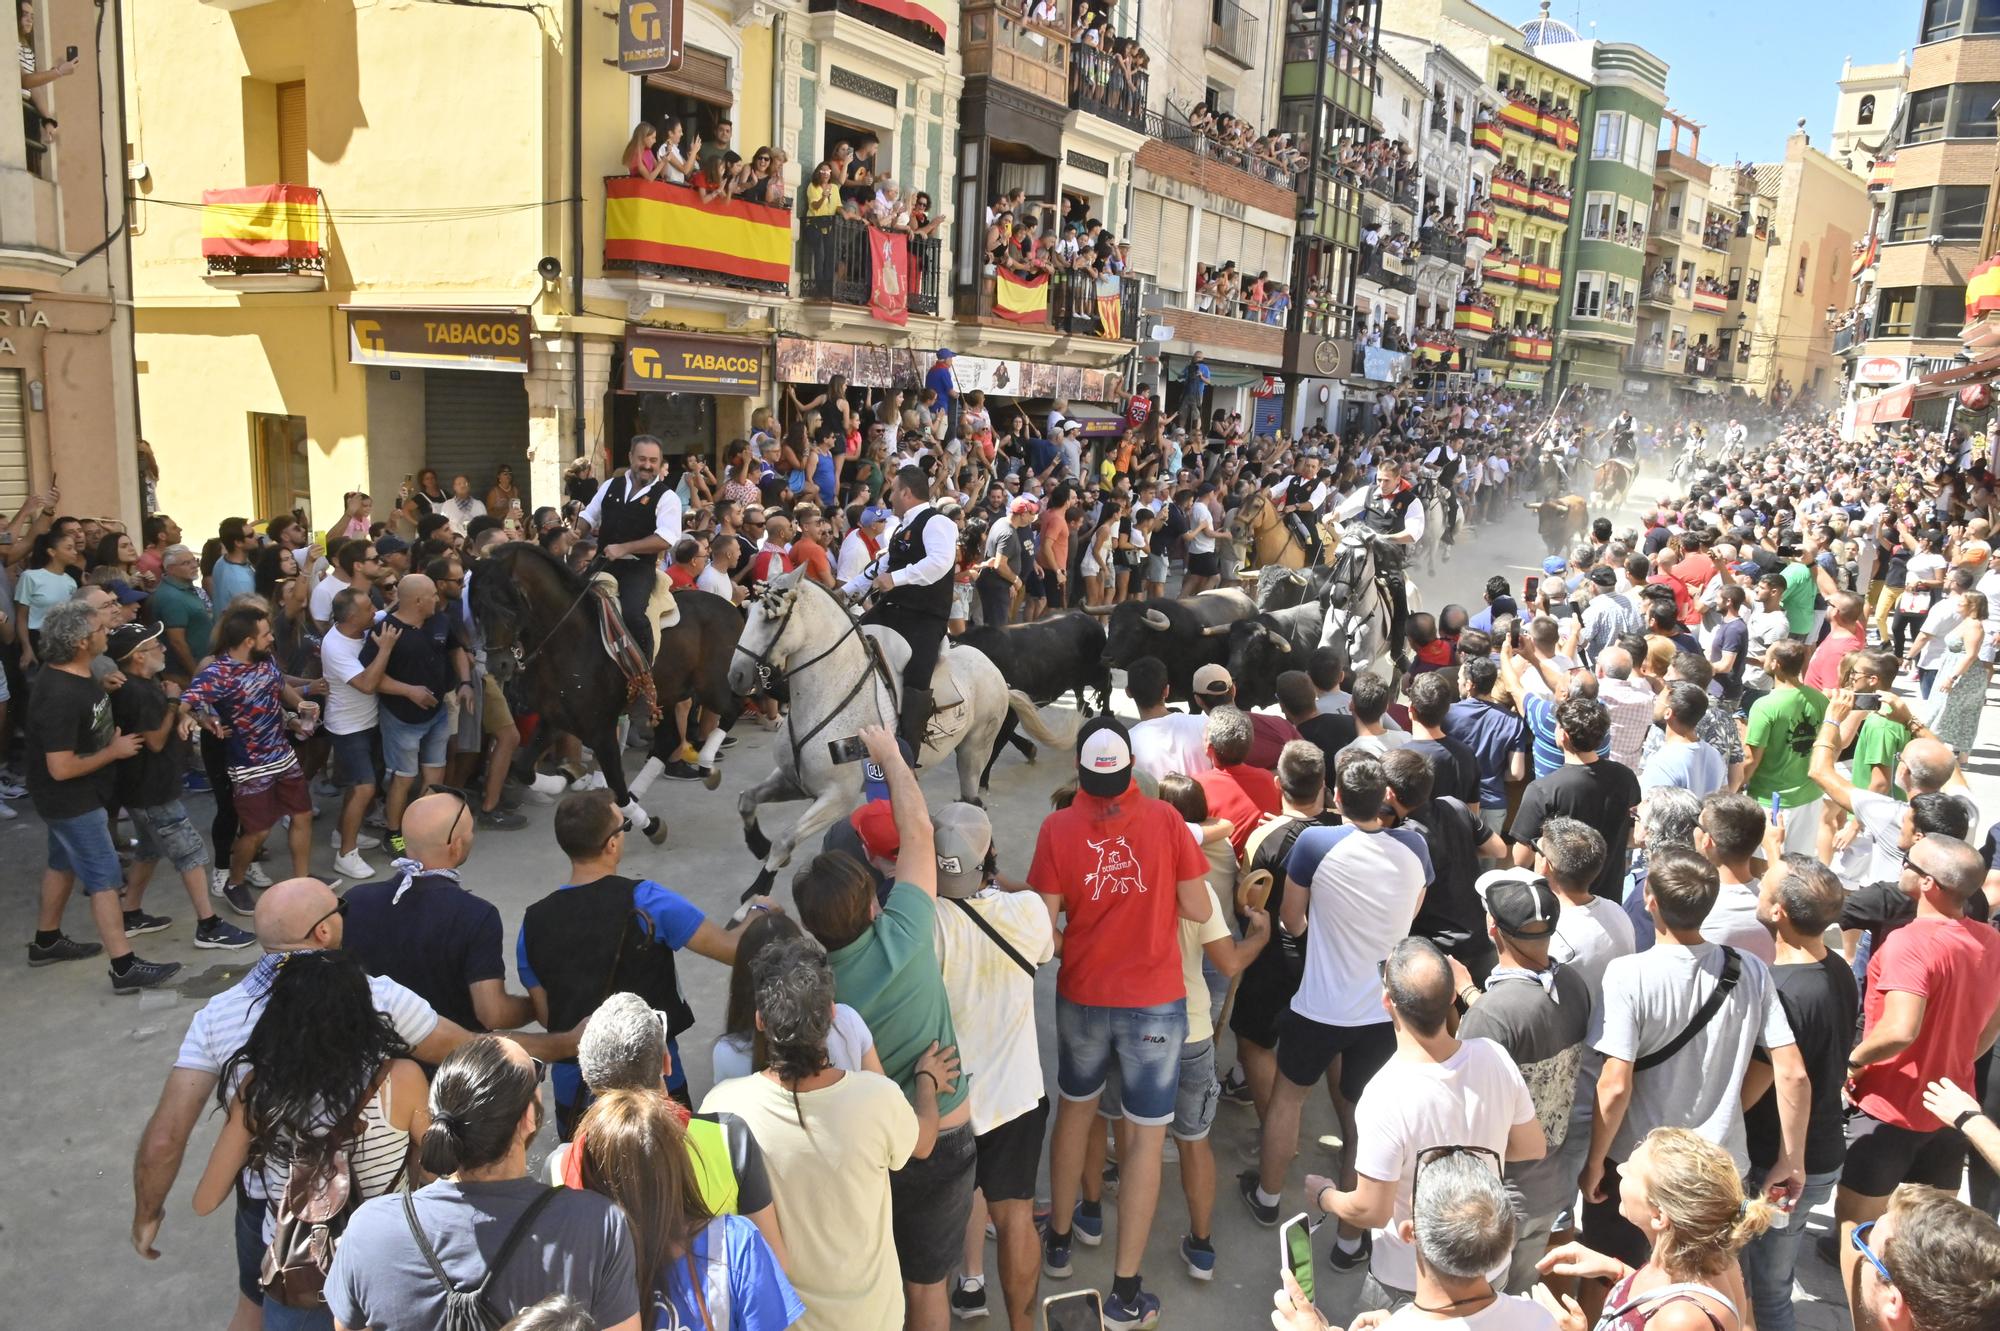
[1268, 539]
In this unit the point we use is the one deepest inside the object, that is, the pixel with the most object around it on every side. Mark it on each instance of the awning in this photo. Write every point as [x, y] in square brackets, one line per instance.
[1944, 381]
[907, 10]
[1885, 408]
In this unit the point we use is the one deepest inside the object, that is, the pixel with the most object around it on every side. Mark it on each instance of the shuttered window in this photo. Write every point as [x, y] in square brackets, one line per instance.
[292, 159]
[703, 75]
[474, 420]
[1175, 219]
[1145, 233]
[14, 477]
[1221, 240]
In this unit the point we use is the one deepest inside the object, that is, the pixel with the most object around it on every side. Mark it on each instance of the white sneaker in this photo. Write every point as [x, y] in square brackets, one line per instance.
[362, 841]
[217, 880]
[256, 877]
[6, 812]
[588, 781]
[351, 865]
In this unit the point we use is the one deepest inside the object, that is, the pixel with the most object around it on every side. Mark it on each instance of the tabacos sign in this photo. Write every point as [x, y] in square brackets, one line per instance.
[656, 363]
[461, 339]
[649, 36]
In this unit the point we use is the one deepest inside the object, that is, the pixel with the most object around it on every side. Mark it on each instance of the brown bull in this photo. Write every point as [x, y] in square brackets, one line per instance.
[1562, 521]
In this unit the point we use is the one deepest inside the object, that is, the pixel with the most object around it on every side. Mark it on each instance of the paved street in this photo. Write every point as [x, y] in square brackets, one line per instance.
[87, 1065]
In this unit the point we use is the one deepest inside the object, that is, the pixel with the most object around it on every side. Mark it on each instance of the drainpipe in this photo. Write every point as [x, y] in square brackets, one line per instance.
[778, 83]
[576, 221]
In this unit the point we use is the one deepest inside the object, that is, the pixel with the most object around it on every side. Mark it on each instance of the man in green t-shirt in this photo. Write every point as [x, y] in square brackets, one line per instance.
[1879, 739]
[1804, 582]
[183, 610]
[1778, 745]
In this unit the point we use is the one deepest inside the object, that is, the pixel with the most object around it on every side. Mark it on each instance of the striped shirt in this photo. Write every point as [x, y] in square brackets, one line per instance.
[247, 697]
[376, 1157]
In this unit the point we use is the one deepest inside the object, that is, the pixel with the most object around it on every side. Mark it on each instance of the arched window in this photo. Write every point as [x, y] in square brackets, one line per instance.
[1866, 114]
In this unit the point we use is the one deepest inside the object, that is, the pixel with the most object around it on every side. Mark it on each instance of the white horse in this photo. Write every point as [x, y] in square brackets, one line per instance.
[841, 676]
[1358, 610]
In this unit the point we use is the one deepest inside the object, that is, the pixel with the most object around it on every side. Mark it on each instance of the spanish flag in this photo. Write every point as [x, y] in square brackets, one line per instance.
[1982, 290]
[261, 222]
[1521, 116]
[1864, 258]
[655, 222]
[1487, 138]
[1021, 300]
[1474, 319]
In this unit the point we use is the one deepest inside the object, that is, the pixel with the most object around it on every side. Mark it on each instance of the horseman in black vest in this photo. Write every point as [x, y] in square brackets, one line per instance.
[1445, 461]
[912, 585]
[1299, 497]
[636, 517]
[1390, 509]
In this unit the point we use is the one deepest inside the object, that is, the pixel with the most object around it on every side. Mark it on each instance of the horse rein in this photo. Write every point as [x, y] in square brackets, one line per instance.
[767, 674]
[514, 648]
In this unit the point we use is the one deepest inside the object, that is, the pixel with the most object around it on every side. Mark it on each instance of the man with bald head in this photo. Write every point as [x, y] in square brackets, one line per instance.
[414, 722]
[426, 930]
[1629, 697]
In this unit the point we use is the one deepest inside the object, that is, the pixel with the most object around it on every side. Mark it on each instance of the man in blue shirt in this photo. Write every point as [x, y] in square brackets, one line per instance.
[1497, 738]
[232, 575]
[940, 380]
[1194, 391]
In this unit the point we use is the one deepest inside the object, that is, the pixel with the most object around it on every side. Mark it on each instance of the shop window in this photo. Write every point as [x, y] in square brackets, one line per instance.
[1896, 311]
[280, 465]
[1943, 312]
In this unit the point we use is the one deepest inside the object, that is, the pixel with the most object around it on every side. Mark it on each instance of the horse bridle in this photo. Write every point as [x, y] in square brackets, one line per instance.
[768, 673]
[523, 660]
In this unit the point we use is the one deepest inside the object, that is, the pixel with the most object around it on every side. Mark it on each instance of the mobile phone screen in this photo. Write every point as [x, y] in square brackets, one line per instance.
[1080, 1310]
[1295, 1246]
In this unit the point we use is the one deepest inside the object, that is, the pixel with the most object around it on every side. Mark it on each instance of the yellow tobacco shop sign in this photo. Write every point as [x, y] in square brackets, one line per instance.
[460, 339]
[658, 364]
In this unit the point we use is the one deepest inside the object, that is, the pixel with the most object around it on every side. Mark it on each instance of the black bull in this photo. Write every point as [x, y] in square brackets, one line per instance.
[1262, 648]
[1185, 634]
[1044, 660]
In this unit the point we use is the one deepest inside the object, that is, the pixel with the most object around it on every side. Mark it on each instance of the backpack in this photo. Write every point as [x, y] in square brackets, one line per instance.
[467, 1309]
[310, 1215]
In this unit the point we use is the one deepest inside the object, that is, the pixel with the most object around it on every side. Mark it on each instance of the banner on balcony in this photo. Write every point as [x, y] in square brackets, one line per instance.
[1982, 290]
[1474, 319]
[1864, 259]
[889, 275]
[261, 222]
[1110, 305]
[909, 11]
[1020, 300]
[654, 222]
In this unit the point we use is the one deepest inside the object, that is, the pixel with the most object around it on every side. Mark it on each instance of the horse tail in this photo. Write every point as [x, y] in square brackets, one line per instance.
[1031, 721]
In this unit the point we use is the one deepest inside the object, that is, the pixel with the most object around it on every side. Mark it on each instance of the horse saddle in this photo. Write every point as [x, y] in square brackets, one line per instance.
[662, 611]
[944, 689]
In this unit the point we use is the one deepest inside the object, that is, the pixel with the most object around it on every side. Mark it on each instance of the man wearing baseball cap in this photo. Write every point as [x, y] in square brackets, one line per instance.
[1005, 569]
[1213, 688]
[863, 543]
[1120, 870]
[991, 935]
[940, 380]
[1540, 1014]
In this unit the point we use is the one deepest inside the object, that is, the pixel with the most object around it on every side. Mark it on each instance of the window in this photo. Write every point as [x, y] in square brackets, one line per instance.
[1911, 219]
[1895, 311]
[1941, 18]
[1943, 312]
[292, 160]
[1961, 212]
[1597, 214]
[1609, 140]
[1799, 285]
[1926, 115]
[1973, 116]
[279, 464]
[1986, 17]
[1616, 297]
[1589, 295]
[1865, 115]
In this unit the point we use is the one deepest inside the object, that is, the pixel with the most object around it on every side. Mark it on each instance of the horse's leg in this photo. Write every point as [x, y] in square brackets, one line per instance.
[771, 790]
[1000, 742]
[842, 794]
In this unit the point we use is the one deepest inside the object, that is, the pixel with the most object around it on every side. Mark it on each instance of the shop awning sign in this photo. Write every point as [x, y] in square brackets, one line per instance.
[1880, 370]
[439, 338]
[723, 367]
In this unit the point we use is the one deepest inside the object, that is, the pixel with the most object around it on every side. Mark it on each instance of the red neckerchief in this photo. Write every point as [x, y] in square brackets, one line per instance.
[869, 541]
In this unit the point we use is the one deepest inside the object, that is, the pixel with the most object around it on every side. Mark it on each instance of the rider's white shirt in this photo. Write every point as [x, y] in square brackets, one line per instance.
[1413, 516]
[1318, 495]
[666, 513]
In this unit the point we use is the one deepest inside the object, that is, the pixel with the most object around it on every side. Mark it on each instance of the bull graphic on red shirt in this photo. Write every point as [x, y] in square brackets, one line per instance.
[1117, 869]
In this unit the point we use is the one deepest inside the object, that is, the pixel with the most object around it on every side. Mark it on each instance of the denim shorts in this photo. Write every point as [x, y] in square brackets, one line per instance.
[355, 758]
[82, 845]
[1143, 1042]
[1156, 568]
[406, 748]
[164, 833]
[930, 1201]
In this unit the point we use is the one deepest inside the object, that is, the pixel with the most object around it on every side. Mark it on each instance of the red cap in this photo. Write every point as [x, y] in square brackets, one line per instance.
[877, 827]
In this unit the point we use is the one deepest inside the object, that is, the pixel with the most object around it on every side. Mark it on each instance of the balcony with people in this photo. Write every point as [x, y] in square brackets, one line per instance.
[1440, 237]
[1475, 314]
[1488, 135]
[1710, 295]
[1658, 286]
[1479, 216]
[1022, 46]
[1384, 167]
[1109, 74]
[1388, 256]
[1719, 231]
[1232, 141]
[1851, 327]
[690, 209]
[1614, 231]
[852, 230]
[1541, 116]
[1079, 283]
[1234, 33]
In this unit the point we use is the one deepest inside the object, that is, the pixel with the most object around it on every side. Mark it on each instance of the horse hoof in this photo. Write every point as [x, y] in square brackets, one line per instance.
[1031, 753]
[712, 777]
[656, 831]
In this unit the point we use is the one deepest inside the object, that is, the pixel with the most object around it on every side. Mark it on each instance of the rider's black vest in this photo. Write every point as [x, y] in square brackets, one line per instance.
[625, 517]
[1447, 464]
[906, 547]
[1386, 515]
[1299, 489]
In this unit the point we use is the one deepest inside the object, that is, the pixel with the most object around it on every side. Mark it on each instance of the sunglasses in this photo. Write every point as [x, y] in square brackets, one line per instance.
[1434, 1153]
[1861, 1246]
[339, 908]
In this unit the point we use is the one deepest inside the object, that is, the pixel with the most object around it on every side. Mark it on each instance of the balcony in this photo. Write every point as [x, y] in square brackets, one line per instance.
[834, 265]
[1550, 125]
[1431, 245]
[1512, 194]
[1387, 271]
[1098, 86]
[1648, 358]
[1655, 291]
[1457, 137]
[1030, 57]
[1625, 234]
[659, 231]
[1401, 192]
[1502, 269]
[1063, 302]
[1853, 335]
[912, 23]
[1235, 34]
[265, 238]
[1530, 348]
[1479, 224]
[1177, 133]
[1473, 320]
[1710, 299]
[1487, 138]
[1547, 203]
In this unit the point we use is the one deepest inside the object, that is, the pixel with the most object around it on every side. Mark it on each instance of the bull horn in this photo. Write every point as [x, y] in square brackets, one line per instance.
[1278, 640]
[1099, 610]
[1157, 620]
[1214, 630]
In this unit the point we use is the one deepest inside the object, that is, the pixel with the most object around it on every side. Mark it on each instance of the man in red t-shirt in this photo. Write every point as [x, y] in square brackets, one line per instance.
[1139, 408]
[1119, 872]
[1847, 634]
[771, 558]
[1213, 688]
[1243, 794]
[1933, 1006]
[809, 547]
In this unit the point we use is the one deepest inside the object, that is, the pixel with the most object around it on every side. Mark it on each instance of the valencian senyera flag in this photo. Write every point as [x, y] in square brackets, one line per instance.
[1110, 304]
[888, 275]
[668, 225]
[262, 222]
[1021, 300]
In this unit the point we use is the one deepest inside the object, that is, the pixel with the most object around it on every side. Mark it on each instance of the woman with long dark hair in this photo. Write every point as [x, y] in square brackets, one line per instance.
[271, 566]
[323, 1070]
[739, 1050]
[694, 1268]
[54, 572]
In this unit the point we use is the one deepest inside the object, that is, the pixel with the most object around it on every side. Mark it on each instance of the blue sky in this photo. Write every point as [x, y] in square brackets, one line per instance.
[1746, 69]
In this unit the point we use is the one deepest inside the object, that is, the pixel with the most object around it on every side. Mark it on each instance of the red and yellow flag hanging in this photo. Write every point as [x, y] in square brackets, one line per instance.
[1021, 300]
[654, 222]
[1982, 290]
[1110, 305]
[888, 275]
[1474, 319]
[262, 222]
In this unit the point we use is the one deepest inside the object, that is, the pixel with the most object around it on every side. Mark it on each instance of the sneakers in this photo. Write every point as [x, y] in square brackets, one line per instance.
[237, 896]
[216, 932]
[351, 865]
[256, 877]
[681, 771]
[395, 843]
[1140, 1313]
[196, 783]
[64, 948]
[500, 819]
[1087, 1229]
[1348, 1261]
[139, 922]
[7, 812]
[968, 1299]
[1055, 1255]
[1246, 1184]
[1200, 1261]
[1236, 1088]
[362, 841]
[143, 975]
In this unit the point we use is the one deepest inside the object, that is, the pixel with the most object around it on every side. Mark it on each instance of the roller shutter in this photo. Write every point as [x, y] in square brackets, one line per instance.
[293, 164]
[14, 474]
[703, 75]
[1175, 218]
[474, 420]
[1147, 256]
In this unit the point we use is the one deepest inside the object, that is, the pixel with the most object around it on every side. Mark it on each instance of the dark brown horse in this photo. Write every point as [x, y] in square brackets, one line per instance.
[540, 623]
